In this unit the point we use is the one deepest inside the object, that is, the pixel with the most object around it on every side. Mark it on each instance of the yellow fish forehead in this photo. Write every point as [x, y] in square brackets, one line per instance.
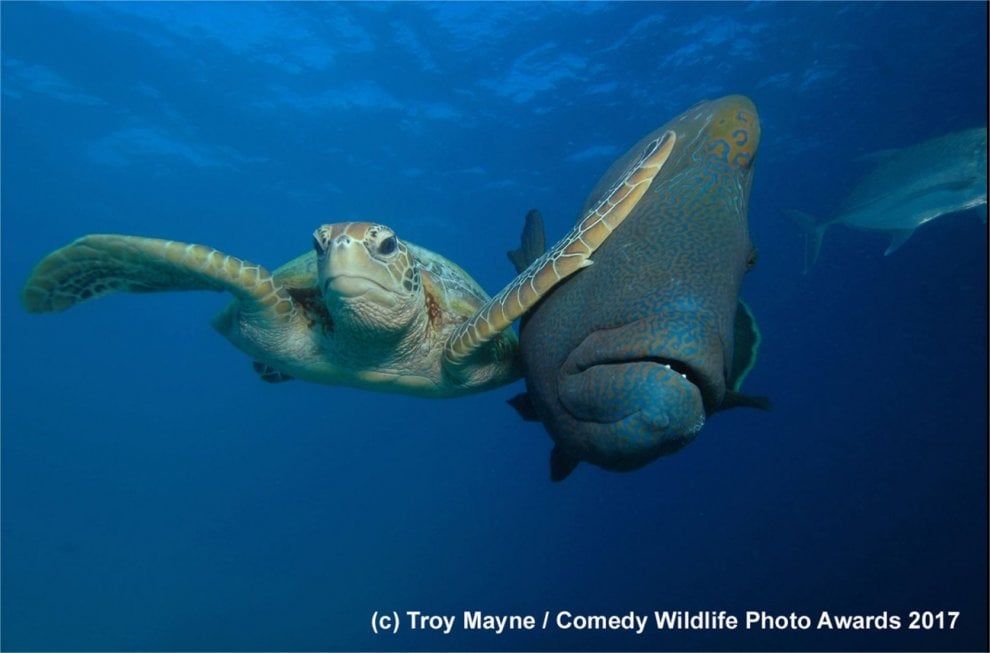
[730, 126]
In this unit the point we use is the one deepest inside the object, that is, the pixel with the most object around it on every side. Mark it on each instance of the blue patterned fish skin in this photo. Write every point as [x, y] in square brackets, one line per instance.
[625, 360]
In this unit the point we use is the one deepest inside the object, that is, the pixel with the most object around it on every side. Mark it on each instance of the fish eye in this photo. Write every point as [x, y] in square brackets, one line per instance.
[318, 246]
[388, 246]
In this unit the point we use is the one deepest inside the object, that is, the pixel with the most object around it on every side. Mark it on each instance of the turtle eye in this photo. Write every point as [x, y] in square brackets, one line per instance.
[388, 246]
[318, 246]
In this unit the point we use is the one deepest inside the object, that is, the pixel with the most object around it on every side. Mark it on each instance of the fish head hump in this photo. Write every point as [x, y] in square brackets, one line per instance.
[627, 359]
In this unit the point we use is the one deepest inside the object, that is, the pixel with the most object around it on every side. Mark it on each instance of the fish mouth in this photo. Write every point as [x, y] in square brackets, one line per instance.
[672, 350]
[688, 372]
[685, 370]
[660, 376]
[625, 411]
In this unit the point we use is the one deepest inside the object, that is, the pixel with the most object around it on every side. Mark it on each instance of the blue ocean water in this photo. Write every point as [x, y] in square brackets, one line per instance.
[157, 496]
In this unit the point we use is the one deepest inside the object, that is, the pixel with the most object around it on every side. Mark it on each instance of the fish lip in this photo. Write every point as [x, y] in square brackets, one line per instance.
[619, 427]
[687, 372]
[695, 353]
[708, 389]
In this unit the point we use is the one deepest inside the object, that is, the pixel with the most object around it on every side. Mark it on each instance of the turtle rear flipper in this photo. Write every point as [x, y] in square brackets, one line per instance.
[97, 265]
[269, 374]
[569, 255]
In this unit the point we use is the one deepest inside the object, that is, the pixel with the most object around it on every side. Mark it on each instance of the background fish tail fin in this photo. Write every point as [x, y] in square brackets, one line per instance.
[532, 243]
[813, 233]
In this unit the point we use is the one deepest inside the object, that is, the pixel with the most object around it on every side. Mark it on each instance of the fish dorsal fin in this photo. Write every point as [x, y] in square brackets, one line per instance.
[532, 242]
[898, 238]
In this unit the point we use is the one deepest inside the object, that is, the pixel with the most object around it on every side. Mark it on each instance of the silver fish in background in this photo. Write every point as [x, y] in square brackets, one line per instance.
[908, 188]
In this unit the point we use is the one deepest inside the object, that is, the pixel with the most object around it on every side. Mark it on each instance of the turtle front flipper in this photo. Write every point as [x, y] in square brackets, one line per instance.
[98, 265]
[569, 255]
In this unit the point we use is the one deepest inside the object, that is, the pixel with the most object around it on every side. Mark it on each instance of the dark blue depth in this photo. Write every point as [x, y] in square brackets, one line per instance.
[157, 496]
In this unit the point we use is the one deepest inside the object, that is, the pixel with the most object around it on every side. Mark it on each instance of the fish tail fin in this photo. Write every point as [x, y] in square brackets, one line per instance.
[813, 233]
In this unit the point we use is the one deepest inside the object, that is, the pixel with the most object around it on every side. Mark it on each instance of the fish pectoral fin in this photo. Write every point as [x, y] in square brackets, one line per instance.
[524, 406]
[898, 239]
[561, 464]
[746, 344]
[735, 399]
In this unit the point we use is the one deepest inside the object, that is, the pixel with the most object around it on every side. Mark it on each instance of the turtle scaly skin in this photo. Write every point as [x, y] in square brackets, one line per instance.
[570, 254]
[365, 309]
[98, 265]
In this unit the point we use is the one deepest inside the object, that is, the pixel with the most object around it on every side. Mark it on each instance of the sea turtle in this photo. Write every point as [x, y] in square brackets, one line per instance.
[364, 309]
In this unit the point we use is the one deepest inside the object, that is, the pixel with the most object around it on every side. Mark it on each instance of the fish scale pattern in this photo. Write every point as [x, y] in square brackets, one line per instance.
[652, 320]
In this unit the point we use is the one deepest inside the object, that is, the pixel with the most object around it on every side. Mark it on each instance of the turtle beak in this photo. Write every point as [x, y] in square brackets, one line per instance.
[337, 250]
[345, 256]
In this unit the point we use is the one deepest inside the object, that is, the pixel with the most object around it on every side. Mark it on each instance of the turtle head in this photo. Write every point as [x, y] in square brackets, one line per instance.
[368, 278]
